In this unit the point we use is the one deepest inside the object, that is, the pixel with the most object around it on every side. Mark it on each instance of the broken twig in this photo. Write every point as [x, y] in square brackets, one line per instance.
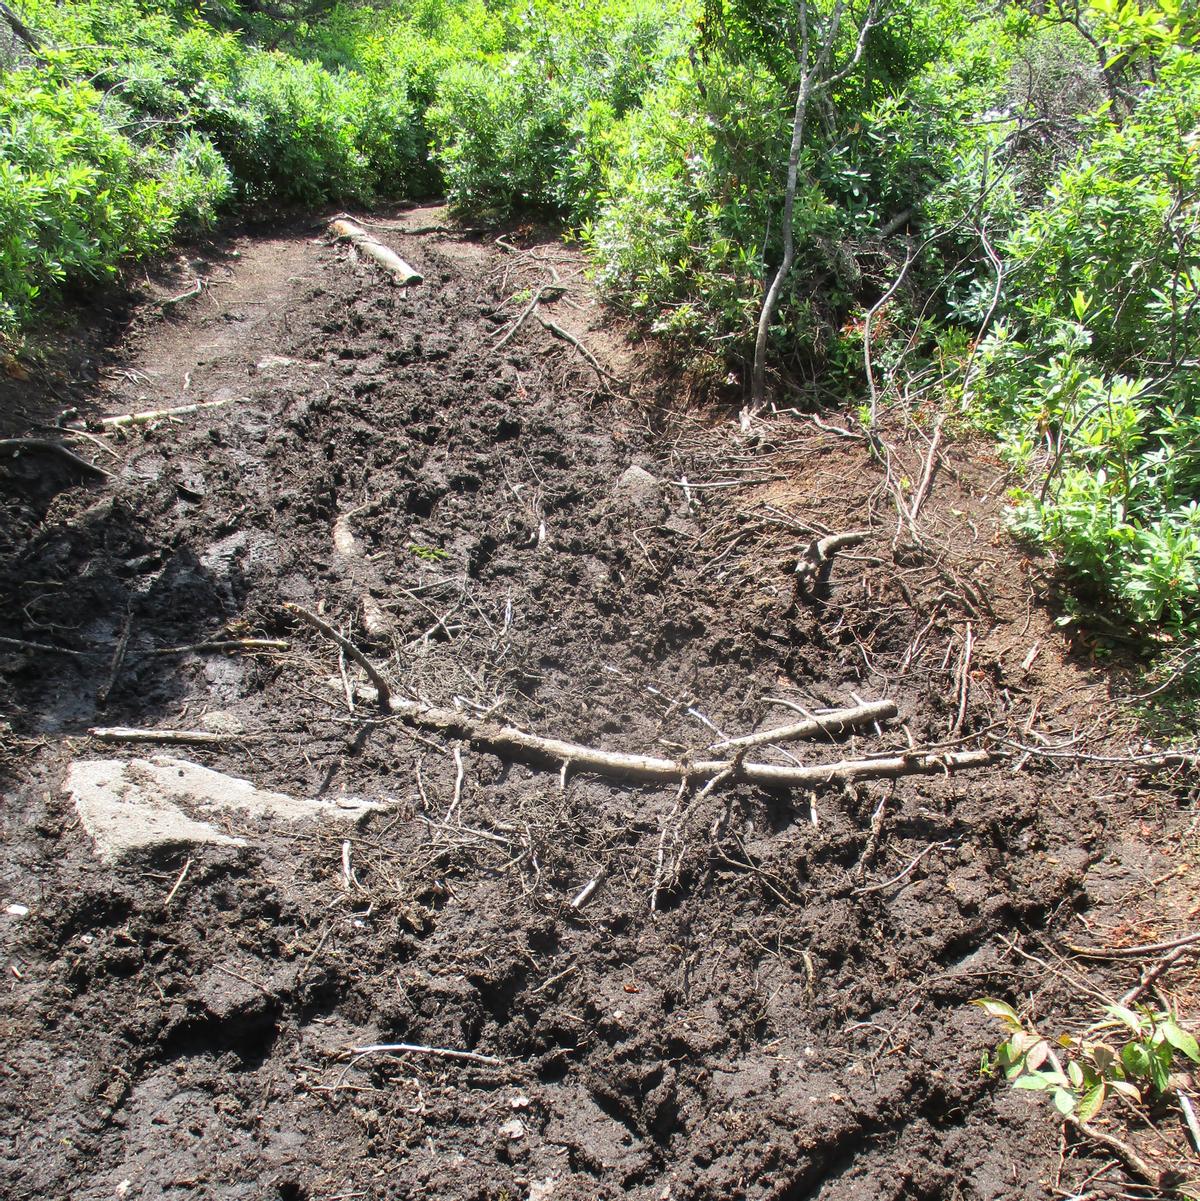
[421, 1049]
[383, 693]
[1150, 948]
[831, 724]
[148, 415]
[252, 645]
[813, 569]
[591, 360]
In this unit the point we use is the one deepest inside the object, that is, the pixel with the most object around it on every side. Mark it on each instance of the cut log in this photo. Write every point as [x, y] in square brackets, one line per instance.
[387, 258]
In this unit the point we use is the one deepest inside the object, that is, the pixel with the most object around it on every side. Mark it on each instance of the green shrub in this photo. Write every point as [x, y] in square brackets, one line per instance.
[527, 129]
[1090, 368]
[77, 196]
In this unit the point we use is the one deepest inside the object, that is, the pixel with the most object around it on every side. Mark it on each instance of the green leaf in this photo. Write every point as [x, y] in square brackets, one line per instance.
[1136, 1059]
[1090, 1103]
[1160, 1067]
[1037, 1054]
[1033, 1083]
[1064, 1101]
[1127, 1016]
[1180, 1039]
[999, 1009]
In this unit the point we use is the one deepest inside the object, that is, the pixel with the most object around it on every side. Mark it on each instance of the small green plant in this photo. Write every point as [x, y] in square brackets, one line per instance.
[429, 554]
[1130, 1052]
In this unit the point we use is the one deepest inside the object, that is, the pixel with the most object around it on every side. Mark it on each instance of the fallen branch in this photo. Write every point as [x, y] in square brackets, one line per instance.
[383, 693]
[907, 871]
[1189, 1117]
[582, 897]
[1152, 761]
[529, 308]
[930, 467]
[1154, 972]
[518, 744]
[252, 645]
[169, 302]
[15, 446]
[187, 867]
[132, 734]
[118, 661]
[964, 681]
[44, 647]
[831, 724]
[1121, 1149]
[22, 31]
[1150, 948]
[387, 258]
[123, 419]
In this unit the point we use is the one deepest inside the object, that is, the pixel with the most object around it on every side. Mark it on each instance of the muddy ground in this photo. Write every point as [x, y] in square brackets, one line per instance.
[790, 1020]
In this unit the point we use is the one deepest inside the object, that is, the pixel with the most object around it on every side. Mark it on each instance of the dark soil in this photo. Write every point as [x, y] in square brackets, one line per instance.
[791, 1020]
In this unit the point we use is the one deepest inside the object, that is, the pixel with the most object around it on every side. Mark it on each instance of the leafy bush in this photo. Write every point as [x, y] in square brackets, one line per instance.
[1090, 367]
[1080, 1073]
[77, 196]
[527, 129]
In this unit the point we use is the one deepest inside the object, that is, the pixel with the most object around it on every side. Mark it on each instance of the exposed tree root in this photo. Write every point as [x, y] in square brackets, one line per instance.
[18, 446]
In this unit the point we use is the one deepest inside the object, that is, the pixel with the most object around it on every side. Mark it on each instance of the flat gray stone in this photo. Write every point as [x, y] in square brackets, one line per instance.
[124, 816]
[127, 806]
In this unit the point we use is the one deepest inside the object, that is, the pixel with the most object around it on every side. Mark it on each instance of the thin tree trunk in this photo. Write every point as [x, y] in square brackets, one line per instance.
[813, 81]
[20, 29]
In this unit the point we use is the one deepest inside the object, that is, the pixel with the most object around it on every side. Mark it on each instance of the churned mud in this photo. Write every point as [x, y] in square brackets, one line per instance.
[647, 992]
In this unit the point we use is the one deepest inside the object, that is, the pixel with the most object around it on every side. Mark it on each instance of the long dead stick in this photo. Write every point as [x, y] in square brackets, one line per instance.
[1120, 1148]
[123, 419]
[422, 1049]
[589, 358]
[831, 724]
[518, 744]
[1150, 948]
[186, 737]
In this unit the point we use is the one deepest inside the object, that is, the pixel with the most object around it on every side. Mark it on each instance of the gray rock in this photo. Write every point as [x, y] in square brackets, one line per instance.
[638, 489]
[148, 804]
[221, 722]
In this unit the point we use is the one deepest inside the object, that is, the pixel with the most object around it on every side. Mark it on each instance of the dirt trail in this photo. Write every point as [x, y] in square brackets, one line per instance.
[506, 533]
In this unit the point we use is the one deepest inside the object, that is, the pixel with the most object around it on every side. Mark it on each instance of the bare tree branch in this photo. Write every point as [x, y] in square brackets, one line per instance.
[814, 80]
[22, 31]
